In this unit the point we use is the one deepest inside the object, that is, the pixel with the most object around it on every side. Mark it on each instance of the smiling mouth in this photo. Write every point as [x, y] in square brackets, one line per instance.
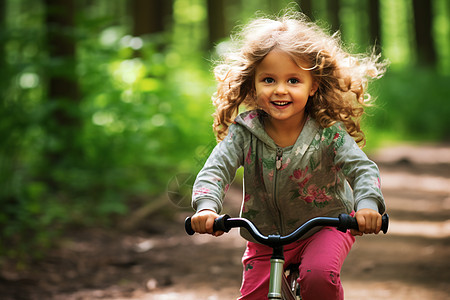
[280, 103]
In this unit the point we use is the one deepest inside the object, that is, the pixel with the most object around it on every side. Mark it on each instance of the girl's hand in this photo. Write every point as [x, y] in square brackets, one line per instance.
[369, 221]
[203, 221]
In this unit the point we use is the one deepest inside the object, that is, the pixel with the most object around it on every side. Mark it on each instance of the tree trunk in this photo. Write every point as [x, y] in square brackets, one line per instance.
[62, 124]
[426, 52]
[333, 14]
[151, 16]
[2, 41]
[216, 21]
[62, 83]
[306, 8]
[375, 24]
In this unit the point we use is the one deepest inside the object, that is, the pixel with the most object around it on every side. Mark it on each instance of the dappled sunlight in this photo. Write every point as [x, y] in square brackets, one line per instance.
[128, 71]
[134, 42]
[394, 289]
[423, 153]
[231, 239]
[408, 180]
[438, 230]
[29, 80]
[427, 206]
[192, 293]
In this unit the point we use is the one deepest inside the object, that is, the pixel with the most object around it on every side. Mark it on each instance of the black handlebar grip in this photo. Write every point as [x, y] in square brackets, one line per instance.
[385, 223]
[219, 224]
[188, 226]
[348, 222]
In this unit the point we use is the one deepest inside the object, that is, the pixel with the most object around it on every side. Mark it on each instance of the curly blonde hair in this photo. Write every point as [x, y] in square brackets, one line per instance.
[342, 77]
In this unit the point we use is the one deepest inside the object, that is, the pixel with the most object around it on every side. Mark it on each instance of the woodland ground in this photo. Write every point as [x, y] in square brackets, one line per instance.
[158, 260]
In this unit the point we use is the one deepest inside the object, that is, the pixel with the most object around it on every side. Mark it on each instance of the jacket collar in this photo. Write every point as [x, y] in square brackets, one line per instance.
[252, 120]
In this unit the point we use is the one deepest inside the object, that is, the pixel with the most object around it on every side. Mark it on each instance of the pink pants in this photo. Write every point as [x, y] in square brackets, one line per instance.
[321, 257]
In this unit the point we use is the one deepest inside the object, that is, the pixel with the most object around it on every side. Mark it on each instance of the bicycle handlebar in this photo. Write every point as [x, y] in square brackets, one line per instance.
[343, 223]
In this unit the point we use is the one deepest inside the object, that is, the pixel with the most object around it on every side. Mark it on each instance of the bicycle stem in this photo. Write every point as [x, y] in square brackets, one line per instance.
[276, 273]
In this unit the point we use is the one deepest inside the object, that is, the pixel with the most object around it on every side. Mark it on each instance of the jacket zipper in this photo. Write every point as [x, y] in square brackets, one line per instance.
[278, 165]
[279, 159]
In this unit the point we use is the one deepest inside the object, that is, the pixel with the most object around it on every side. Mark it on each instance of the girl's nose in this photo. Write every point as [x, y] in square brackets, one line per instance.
[281, 89]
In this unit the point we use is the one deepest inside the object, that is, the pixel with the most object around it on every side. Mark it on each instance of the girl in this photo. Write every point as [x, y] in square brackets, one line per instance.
[297, 139]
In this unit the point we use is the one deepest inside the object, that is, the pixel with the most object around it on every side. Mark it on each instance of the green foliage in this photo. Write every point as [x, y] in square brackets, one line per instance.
[411, 105]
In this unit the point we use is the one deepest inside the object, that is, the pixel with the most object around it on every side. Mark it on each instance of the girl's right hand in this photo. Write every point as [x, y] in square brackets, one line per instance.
[203, 222]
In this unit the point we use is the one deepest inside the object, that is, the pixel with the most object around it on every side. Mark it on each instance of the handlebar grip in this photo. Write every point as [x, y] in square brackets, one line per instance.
[385, 223]
[348, 222]
[188, 226]
[219, 225]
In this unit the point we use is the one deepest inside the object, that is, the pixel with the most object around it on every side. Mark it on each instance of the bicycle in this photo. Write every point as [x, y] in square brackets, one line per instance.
[283, 283]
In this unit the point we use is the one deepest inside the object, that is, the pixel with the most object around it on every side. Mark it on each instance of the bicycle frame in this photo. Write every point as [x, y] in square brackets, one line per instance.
[277, 243]
[290, 289]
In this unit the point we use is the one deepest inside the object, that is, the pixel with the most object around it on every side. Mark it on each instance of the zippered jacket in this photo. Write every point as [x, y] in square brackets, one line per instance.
[324, 173]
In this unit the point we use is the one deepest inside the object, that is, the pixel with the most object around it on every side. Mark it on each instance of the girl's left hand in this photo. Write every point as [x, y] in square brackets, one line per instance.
[369, 221]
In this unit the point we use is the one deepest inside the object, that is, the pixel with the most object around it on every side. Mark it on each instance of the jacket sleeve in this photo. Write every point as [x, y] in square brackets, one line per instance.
[219, 171]
[362, 174]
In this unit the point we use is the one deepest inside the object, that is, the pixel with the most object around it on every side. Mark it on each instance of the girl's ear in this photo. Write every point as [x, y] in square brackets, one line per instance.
[314, 88]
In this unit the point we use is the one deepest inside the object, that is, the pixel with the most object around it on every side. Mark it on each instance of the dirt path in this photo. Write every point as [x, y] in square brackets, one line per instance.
[160, 262]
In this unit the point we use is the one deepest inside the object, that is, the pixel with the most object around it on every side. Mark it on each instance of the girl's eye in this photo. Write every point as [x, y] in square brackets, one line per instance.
[293, 81]
[268, 80]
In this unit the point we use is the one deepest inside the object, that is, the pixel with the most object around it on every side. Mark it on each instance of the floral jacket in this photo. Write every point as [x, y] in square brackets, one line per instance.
[324, 173]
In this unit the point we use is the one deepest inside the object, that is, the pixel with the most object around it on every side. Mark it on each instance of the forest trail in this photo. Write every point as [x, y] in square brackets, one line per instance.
[159, 261]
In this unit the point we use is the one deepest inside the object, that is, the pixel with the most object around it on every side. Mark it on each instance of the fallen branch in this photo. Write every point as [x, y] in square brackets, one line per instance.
[143, 212]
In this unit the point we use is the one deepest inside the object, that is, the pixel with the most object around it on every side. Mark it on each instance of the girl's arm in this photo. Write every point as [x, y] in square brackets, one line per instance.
[215, 177]
[364, 178]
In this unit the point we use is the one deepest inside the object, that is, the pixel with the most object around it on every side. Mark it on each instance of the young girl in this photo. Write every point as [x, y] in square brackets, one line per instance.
[297, 140]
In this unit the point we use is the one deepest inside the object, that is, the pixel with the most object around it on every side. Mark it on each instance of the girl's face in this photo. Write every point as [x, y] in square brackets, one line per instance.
[283, 88]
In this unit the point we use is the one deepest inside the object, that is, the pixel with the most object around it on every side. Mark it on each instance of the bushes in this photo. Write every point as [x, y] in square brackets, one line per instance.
[139, 125]
[411, 105]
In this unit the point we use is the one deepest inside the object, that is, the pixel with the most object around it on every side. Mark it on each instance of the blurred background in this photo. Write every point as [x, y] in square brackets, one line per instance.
[105, 102]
